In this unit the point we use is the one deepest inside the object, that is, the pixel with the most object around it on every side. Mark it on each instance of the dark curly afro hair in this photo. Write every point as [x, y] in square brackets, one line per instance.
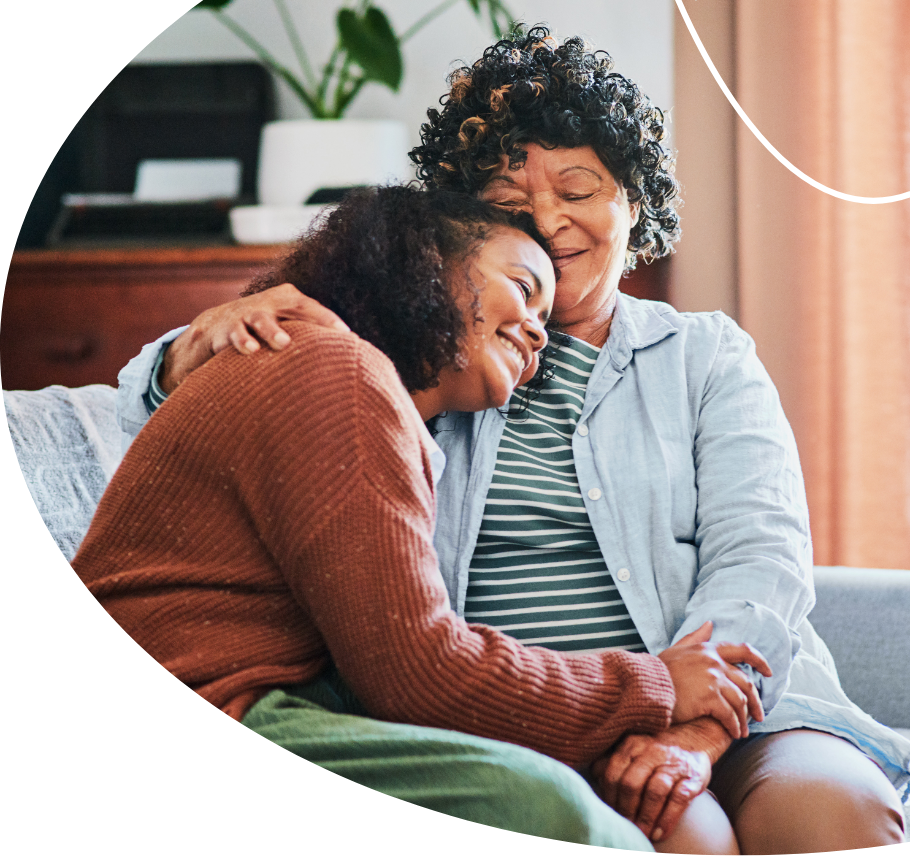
[530, 89]
[391, 262]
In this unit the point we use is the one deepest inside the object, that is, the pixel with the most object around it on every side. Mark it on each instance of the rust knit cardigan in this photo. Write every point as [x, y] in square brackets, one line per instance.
[276, 513]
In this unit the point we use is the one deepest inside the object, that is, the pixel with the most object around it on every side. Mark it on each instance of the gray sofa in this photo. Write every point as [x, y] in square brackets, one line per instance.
[68, 445]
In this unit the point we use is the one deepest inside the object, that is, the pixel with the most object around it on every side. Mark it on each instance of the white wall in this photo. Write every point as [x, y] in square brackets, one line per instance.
[638, 33]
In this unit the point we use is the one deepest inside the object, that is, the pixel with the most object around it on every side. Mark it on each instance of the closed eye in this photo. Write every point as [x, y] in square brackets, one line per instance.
[525, 289]
[508, 203]
[499, 196]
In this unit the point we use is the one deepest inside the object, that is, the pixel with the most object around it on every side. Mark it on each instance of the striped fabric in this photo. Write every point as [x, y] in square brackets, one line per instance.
[155, 396]
[537, 571]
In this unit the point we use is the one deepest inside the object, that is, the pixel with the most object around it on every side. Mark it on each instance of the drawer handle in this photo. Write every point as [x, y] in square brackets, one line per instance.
[74, 350]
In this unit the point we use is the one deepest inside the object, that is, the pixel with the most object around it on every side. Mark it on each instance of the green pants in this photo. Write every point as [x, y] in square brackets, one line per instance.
[473, 778]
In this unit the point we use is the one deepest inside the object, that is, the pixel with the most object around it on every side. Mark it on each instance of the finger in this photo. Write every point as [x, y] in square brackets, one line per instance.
[598, 774]
[268, 330]
[756, 708]
[220, 341]
[239, 337]
[613, 772]
[720, 709]
[738, 702]
[656, 791]
[678, 800]
[611, 779]
[744, 653]
[703, 634]
[632, 786]
[756, 711]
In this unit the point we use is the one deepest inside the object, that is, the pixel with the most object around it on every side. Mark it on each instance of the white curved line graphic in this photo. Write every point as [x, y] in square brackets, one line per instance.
[866, 200]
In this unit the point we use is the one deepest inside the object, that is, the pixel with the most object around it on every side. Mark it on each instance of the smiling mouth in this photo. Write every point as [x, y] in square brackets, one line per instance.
[524, 359]
[561, 258]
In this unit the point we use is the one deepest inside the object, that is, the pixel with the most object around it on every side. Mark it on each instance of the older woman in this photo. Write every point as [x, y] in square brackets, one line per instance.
[653, 483]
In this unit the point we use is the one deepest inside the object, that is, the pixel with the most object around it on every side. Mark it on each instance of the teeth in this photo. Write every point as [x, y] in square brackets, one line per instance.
[511, 346]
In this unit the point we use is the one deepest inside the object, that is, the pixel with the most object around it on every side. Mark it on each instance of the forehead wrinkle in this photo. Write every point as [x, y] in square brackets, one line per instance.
[583, 169]
[504, 178]
[507, 179]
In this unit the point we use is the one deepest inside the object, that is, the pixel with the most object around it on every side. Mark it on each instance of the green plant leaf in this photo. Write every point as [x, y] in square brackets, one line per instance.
[475, 5]
[371, 43]
[212, 4]
[501, 18]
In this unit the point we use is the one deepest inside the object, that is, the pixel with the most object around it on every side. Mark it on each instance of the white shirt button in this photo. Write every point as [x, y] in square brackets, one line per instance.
[583, 430]
[594, 493]
[623, 575]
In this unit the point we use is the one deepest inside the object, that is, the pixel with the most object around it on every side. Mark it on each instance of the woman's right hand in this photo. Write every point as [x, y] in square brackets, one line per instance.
[708, 682]
[244, 324]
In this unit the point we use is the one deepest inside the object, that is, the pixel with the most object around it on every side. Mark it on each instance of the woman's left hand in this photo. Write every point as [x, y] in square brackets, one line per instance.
[651, 781]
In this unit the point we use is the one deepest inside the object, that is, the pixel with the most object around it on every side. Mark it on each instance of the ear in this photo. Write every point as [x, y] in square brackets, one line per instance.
[634, 211]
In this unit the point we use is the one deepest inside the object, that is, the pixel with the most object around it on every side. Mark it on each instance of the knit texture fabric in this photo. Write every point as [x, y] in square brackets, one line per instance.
[276, 514]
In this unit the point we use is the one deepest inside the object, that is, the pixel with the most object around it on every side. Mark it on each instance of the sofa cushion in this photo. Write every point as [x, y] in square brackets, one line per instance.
[68, 445]
[861, 613]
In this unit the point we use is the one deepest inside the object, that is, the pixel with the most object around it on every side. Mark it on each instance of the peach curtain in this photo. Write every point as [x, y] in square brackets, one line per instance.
[824, 285]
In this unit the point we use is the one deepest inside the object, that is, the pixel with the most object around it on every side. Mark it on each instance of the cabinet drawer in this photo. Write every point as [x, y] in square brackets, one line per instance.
[77, 317]
[75, 335]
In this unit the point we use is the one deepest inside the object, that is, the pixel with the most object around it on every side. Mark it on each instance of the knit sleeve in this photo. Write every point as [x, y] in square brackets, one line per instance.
[344, 505]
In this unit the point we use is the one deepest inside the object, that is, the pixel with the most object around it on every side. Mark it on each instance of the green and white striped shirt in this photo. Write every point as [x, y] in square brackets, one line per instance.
[537, 572]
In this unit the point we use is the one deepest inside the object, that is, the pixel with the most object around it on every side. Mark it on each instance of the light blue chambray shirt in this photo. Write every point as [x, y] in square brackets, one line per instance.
[691, 479]
[700, 510]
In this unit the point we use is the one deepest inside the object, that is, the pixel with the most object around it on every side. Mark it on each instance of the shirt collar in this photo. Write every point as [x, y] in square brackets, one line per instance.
[437, 461]
[637, 324]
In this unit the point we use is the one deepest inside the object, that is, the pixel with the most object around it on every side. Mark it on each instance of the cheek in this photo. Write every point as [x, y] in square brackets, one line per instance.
[475, 347]
[530, 371]
[576, 281]
[603, 217]
[612, 235]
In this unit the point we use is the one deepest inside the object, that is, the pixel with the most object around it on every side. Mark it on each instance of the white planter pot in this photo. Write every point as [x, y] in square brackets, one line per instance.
[272, 224]
[299, 156]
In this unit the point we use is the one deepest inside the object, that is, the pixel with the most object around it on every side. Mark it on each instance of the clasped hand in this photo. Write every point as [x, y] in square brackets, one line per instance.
[651, 781]
[708, 682]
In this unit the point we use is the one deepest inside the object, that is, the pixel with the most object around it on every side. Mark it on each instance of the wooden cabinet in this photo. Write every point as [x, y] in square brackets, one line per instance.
[77, 317]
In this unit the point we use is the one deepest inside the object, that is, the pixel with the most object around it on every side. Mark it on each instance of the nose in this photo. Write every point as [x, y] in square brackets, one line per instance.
[548, 214]
[536, 333]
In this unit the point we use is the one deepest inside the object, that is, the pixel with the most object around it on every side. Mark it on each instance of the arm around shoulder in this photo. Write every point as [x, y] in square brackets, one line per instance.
[133, 382]
[244, 324]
